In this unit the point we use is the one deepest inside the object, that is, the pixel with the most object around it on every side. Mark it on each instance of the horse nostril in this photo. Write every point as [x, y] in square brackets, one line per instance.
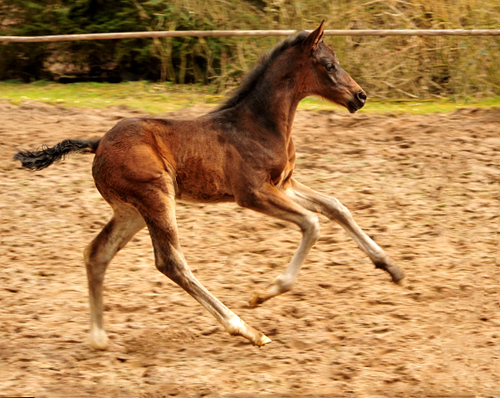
[361, 96]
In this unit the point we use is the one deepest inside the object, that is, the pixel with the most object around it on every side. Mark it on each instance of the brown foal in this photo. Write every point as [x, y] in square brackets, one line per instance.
[241, 152]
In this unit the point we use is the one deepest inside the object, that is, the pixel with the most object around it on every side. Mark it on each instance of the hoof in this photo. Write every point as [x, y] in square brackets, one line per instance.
[237, 327]
[401, 282]
[398, 276]
[396, 273]
[256, 300]
[263, 341]
[99, 340]
[254, 336]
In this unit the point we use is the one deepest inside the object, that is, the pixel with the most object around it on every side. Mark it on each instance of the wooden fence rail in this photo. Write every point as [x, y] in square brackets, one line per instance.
[222, 33]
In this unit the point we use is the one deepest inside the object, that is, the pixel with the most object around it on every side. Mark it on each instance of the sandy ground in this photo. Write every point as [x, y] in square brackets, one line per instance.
[425, 187]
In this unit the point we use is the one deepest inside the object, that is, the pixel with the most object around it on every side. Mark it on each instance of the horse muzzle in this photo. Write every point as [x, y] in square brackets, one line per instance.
[357, 102]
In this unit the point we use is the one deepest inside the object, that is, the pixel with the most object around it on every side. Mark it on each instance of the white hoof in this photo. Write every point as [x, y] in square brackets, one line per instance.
[99, 339]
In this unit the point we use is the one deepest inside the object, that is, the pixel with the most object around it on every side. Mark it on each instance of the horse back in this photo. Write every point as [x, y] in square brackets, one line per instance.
[141, 151]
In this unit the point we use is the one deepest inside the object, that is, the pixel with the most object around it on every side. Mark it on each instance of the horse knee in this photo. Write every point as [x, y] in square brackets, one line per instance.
[341, 212]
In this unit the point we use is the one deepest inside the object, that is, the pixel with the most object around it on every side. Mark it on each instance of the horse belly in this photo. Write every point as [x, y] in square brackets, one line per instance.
[200, 180]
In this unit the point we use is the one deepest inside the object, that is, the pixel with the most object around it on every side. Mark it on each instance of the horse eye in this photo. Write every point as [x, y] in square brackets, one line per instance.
[329, 67]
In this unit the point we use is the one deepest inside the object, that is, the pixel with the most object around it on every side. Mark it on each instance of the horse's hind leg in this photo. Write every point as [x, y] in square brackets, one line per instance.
[124, 224]
[271, 201]
[158, 210]
[337, 212]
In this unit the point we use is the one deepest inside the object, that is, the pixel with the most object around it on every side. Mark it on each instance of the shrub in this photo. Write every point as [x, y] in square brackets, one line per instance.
[385, 66]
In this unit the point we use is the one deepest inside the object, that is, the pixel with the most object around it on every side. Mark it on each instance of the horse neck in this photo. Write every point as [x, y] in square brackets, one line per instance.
[275, 98]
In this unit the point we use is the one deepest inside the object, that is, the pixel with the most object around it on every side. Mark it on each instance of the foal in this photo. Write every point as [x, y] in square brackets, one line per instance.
[241, 152]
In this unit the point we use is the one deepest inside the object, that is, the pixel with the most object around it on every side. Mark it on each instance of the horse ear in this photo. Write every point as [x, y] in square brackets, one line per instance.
[314, 38]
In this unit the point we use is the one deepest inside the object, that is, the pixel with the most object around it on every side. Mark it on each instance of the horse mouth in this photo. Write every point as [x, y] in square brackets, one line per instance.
[355, 105]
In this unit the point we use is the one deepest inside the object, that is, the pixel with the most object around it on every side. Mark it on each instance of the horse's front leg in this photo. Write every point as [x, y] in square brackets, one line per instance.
[336, 211]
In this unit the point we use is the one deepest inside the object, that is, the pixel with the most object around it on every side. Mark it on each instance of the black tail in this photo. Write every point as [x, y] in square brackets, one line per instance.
[39, 160]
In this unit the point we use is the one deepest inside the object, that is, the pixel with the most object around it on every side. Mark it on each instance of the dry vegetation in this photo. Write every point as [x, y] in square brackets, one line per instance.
[388, 67]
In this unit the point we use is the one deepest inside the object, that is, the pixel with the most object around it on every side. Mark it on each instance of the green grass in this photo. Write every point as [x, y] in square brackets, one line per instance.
[157, 98]
[405, 105]
[147, 97]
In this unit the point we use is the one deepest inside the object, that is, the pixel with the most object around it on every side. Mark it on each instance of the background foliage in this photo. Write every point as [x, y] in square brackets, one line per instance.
[422, 67]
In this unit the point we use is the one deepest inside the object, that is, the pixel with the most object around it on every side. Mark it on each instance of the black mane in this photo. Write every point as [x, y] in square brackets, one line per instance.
[251, 79]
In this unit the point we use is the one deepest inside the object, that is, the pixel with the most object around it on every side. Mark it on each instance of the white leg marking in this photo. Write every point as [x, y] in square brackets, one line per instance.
[98, 338]
[336, 211]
